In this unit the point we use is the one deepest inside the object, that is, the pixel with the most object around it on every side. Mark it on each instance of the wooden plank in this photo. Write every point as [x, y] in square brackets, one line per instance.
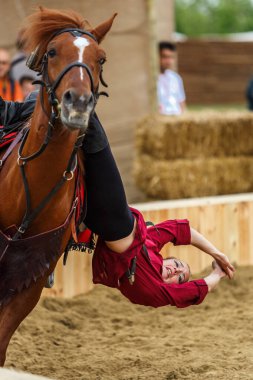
[244, 232]
[251, 232]
[192, 202]
[206, 68]
[194, 255]
[231, 232]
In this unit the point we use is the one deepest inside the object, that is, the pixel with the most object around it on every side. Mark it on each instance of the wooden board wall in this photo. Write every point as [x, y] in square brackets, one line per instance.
[215, 71]
[226, 220]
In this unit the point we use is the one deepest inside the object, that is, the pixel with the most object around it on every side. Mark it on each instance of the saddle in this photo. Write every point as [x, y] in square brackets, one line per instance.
[25, 260]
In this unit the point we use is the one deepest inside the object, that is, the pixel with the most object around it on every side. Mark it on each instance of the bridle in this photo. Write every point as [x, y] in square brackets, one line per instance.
[51, 87]
[42, 69]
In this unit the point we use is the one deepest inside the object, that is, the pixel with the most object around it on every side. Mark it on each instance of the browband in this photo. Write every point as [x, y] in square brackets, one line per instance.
[75, 32]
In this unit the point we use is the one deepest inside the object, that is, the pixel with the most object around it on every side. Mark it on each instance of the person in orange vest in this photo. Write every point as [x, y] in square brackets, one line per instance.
[10, 90]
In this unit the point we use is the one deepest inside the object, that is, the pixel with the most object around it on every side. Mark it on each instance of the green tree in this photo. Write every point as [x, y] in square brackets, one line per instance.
[199, 17]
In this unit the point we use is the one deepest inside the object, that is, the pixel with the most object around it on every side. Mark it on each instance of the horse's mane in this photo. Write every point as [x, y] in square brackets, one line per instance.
[44, 22]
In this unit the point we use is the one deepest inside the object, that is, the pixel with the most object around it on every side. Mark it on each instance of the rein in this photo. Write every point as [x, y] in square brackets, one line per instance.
[68, 174]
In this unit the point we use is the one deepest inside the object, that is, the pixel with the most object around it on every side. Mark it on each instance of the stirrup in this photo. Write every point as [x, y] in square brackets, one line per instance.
[50, 281]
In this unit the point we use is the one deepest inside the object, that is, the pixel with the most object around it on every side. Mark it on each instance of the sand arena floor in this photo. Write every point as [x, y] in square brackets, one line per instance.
[101, 336]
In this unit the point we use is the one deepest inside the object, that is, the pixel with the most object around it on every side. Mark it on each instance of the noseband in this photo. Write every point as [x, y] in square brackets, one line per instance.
[68, 174]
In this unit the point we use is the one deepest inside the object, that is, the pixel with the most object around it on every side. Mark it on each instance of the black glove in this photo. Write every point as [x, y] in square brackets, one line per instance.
[95, 138]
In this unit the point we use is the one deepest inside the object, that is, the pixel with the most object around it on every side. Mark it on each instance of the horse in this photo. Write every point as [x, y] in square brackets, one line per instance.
[37, 176]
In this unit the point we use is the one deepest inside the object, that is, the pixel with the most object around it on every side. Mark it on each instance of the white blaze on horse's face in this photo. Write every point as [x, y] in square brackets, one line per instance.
[76, 109]
[81, 43]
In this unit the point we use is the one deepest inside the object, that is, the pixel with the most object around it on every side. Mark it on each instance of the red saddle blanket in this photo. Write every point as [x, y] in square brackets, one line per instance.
[7, 139]
[81, 239]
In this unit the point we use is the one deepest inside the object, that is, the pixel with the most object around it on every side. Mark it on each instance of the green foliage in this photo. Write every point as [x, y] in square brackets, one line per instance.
[199, 17]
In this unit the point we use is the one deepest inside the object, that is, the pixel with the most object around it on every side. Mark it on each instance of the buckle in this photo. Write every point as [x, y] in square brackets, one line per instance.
[131, 279]
[20, 161]
[68, 176]
[21, 230]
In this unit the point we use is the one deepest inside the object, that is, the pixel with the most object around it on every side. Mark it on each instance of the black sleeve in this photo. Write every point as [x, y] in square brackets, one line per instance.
[10, 112]
[14, 112]
[2, 109]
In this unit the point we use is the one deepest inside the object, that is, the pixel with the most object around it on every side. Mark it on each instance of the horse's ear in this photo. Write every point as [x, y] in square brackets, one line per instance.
[101, 30]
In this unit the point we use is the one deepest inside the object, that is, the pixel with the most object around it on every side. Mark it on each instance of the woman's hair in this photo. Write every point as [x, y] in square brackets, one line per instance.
[169, 257]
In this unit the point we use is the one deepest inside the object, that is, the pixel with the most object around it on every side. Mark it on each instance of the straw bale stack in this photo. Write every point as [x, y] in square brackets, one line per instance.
[198, 154]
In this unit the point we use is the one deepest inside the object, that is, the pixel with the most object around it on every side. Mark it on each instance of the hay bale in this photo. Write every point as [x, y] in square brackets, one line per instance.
[196, 135]
[184, 178]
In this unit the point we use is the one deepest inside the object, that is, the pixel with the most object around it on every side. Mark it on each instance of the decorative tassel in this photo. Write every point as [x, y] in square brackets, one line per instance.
[80, 247]
[87, 247]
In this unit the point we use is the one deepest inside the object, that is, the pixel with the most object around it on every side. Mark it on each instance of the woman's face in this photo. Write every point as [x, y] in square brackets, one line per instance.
[175, 271]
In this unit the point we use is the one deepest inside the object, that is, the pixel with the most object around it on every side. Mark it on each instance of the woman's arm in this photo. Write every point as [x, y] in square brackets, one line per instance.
[199, 241]
[10, 112]
[14, 112]
[214, 277]
[2, 110]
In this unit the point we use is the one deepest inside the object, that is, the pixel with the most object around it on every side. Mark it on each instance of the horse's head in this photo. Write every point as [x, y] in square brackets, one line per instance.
[68, 55]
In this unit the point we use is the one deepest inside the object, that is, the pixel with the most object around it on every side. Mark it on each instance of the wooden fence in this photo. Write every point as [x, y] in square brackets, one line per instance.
[226, 220]
[215, 71]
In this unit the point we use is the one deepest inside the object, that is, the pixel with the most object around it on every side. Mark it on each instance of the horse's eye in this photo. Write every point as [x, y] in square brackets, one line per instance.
[51, 53]
[102, 61]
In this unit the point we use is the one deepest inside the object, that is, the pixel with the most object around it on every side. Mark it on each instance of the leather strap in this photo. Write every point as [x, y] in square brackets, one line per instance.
[12, 146]
[74, 32]
[69, 67]
[31, 215]
[130, 273]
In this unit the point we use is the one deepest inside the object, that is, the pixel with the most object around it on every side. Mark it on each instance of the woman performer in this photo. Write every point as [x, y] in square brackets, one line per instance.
[127, 255]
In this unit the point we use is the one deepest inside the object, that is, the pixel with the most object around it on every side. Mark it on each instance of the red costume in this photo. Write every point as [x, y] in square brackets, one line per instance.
[149, 289]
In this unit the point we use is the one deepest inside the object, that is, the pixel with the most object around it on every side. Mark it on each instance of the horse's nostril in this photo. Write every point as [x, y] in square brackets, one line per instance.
[81, 102]
[68, 97]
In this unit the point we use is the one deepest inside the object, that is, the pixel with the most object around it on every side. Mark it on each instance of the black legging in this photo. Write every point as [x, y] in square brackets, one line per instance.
[108, 214]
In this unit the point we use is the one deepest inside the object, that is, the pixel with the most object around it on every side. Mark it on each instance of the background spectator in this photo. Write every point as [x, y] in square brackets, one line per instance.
[26, 85]
[249, 95]
[18, 63]
[9, 88]
[171, 94]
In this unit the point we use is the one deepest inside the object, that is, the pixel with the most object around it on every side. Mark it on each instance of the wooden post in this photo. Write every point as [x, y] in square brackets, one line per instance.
[153, 54]
[160, 14]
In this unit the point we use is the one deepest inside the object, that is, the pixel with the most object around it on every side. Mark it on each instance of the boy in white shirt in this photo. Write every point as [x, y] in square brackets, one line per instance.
[171, 94]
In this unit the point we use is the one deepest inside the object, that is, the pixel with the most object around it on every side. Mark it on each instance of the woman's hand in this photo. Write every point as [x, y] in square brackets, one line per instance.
[224, 263]
[206, 246]
[215, 276]
[218, 270]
